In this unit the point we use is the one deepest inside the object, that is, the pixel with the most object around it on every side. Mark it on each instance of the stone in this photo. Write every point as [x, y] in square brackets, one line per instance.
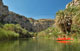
[28, 23]
[3, 9]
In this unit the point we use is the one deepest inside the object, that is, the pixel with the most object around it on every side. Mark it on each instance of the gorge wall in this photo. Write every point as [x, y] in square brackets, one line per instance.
[30, 24]
[73, 3]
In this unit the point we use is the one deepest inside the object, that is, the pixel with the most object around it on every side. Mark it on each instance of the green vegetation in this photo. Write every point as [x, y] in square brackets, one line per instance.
[67, 24]
[13, 31]
[68, 20]
[16, 28]
[51, 33]
[8, 34]
[64, 19]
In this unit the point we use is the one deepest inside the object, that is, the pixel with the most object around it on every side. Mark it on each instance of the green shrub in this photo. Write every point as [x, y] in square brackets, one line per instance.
[10, 31]
[16, 28]
[7, 34]
[50, 32]
[75, 29]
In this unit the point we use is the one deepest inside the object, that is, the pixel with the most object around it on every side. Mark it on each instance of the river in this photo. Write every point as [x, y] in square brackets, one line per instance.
[38, 45]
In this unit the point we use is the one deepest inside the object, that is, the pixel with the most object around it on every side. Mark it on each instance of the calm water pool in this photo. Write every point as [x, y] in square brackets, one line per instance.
[38, 45]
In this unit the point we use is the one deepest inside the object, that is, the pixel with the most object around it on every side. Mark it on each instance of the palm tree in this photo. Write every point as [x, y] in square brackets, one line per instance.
[64, 18]
[60, 20]
[70, 13]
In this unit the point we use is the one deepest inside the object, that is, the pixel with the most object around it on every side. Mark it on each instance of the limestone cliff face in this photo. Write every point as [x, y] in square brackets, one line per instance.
[27, 23]
[14, 18]
[73, 3]
[42, 24]
[3, 9]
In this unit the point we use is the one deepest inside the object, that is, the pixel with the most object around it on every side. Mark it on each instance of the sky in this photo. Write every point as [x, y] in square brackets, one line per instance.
[37, 9]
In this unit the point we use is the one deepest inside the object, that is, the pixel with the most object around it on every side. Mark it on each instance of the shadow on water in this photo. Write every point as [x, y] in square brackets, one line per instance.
[38, 45]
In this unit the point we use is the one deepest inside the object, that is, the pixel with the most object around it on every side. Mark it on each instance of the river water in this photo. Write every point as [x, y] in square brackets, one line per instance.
[38, 45]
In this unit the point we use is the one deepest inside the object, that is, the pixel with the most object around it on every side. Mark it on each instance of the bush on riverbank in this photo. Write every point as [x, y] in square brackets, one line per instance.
[51, 32]
[13, 31]
[18, 29]
[4, 34]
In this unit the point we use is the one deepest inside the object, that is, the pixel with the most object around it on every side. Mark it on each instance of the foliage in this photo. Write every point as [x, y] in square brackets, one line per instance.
[72, 13]
[49, 33]
[4, 34]
[16, 28]
[60, 20]
[13, 31]
[75, 29]
[69, 15]
[76, 19]
[1, 25]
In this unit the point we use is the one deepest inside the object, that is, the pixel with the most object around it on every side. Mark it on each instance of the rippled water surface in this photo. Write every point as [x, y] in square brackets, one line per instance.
[38, 45]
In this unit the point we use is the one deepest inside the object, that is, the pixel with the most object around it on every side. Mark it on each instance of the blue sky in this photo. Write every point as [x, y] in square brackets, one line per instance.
[37, 9]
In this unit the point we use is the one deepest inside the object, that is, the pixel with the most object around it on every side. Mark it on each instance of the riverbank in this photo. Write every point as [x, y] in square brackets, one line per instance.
[13, 31]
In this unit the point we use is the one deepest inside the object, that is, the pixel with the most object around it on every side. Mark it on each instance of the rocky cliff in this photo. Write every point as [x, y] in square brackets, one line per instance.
[3, 11]
[42, 24]
[30, 24]
[73, 3]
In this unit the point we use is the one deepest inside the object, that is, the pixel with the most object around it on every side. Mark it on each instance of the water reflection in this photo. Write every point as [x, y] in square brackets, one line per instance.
[64, 42]
[38, 45]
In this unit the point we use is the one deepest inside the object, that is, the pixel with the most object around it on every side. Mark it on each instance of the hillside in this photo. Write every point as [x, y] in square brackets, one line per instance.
[67, 22]
[29, 24]
[14, 26]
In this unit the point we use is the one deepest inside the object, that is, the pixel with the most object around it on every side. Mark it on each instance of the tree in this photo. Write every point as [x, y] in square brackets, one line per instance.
[64, 18]
[60, 20]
